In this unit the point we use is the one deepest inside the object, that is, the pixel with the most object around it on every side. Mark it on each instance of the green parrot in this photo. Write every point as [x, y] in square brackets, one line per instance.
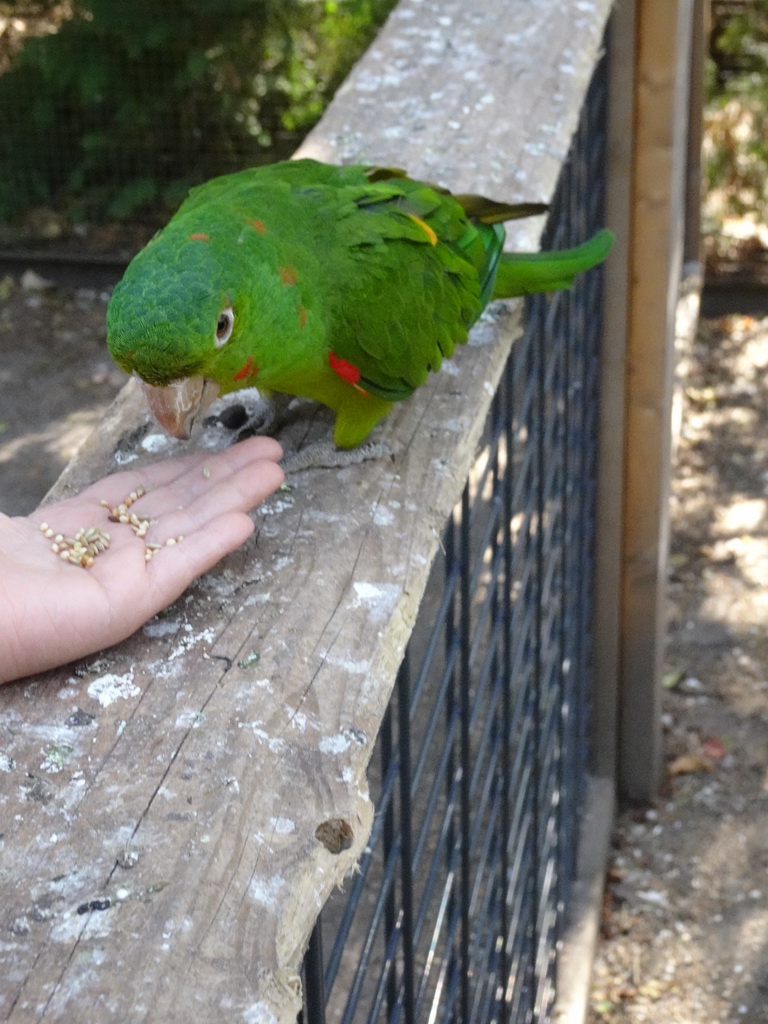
[346, 285]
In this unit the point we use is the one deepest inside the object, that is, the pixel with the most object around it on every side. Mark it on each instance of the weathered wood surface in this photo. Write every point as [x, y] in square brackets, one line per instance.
[658, 202]
[183, 774]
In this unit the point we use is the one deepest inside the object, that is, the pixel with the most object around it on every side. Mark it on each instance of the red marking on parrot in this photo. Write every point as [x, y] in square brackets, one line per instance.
[346, 370]
[199, 236]
[302, 316]
[247, 370]
[260, 226]
[288, 275]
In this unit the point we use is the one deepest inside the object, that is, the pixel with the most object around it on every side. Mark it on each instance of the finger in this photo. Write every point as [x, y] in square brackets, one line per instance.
[116, 487]
[207, 475]
[225, 490]
[240, 491]
[174, 568]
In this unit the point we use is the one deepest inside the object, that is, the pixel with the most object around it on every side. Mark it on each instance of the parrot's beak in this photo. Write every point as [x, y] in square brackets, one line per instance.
[180, 405]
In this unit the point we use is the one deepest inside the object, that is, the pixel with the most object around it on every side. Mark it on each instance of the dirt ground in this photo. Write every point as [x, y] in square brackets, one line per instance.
[685, 923]
[685, 928]
[56, 380]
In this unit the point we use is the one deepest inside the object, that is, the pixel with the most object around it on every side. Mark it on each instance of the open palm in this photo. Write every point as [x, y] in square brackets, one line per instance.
[52, 611]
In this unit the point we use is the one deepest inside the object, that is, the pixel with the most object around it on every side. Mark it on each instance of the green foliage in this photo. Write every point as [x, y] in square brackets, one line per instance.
[124, 105]
[736, 118]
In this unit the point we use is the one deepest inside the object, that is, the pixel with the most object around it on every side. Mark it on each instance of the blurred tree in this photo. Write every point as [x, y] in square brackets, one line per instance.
[111, 106]
[736, 118]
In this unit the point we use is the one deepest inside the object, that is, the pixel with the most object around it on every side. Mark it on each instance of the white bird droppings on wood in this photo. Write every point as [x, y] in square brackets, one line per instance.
[109, 688]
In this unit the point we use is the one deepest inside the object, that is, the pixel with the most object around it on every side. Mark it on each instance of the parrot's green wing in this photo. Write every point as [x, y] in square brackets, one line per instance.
[425, 263]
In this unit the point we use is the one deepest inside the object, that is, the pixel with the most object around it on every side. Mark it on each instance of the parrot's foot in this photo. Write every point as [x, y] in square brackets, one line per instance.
[251, 414]
[325, 455]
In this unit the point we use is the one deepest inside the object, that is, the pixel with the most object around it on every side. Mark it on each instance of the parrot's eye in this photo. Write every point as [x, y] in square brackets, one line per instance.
[224, 326]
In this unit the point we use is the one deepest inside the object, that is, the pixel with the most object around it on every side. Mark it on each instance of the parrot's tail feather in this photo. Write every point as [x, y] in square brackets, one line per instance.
[384, 173]
[488, 211]
[526, 273]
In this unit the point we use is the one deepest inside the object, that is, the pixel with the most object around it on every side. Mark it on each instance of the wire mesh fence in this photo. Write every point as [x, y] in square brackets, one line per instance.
[112, 110]
[458, 905]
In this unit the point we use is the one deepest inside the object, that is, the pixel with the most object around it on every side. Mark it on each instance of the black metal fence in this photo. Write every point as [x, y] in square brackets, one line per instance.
[459, 903]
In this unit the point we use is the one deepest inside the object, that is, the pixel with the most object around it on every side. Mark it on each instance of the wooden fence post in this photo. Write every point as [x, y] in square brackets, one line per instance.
[657, 210]
[610, 507]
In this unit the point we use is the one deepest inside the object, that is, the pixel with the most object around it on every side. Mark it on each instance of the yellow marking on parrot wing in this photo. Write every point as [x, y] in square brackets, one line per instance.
[425, 228]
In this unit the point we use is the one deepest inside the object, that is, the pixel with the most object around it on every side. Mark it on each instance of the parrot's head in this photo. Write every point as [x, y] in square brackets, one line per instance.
[191, 315]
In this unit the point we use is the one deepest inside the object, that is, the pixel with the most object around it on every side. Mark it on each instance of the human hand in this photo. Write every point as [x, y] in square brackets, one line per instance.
[52, 611]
